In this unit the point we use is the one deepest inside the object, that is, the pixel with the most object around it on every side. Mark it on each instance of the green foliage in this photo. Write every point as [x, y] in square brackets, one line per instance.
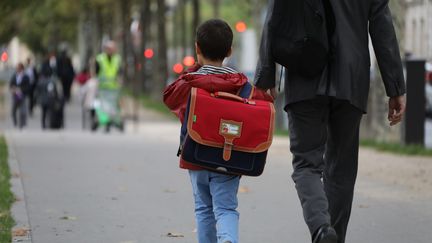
[41, 24]
[397, 148]
[157, 106]
[6, 196]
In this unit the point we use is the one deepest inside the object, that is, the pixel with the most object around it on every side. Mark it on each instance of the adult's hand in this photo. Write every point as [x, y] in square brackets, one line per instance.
[396, 111]
[273, 93]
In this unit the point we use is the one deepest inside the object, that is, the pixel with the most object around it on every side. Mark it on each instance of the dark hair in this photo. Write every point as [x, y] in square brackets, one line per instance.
[214, 37]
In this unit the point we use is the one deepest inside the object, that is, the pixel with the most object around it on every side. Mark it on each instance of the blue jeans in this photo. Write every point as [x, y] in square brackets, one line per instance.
[215, 206]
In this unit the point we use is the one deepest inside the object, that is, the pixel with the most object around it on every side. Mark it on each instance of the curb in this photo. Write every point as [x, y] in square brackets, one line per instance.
[19, 208]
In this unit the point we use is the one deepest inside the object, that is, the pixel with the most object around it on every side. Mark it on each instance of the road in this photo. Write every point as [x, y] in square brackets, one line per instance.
[87, 187]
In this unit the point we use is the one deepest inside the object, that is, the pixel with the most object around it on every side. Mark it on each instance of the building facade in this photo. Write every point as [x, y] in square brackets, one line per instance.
[418, 28]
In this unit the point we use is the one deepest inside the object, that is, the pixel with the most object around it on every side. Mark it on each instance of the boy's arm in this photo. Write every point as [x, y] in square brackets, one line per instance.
[175, 95]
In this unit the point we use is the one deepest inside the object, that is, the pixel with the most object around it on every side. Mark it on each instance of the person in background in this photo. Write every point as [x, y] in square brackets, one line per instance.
[49, 91]
[33, 78]
[19, 87]
[66, 73]
[108, 65]
[83, 76]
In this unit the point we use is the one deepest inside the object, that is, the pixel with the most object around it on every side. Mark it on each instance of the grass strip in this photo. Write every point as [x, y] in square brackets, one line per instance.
[397, 148]
[6, 196]
[157, 106]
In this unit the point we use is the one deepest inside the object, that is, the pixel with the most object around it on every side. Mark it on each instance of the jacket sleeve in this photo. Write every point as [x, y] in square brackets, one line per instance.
[265, 73]
[175, 97]
[386, 47]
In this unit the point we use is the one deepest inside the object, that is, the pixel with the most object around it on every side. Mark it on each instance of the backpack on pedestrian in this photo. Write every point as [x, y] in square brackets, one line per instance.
[300, 38]
[232, 137]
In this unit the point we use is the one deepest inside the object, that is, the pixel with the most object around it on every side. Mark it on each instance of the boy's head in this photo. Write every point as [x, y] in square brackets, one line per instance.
[214, 40]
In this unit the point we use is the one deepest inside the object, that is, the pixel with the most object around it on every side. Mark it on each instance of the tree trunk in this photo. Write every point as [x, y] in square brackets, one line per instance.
[196, 19]
[216, 8]
[141, 61]
[162, 65]
[124, 37]
[183, 27]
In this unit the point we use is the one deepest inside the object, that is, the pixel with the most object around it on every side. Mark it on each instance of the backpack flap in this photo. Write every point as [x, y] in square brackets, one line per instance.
[226, 121]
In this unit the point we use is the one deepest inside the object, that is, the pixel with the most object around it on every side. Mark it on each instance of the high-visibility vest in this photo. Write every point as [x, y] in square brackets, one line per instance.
[108, 70]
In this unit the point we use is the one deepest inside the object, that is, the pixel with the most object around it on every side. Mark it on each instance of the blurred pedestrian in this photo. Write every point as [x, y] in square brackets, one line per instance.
[83, 76]
[326, 95]
[66, 73]
[50, 97]
[19, 86]
[33, 77]
[108, 65]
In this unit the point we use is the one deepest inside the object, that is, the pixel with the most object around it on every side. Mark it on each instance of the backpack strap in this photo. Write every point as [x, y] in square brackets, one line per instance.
[246, 91]
[183, 130]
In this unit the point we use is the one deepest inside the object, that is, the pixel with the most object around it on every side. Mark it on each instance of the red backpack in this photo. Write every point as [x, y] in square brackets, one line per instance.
[227, 133]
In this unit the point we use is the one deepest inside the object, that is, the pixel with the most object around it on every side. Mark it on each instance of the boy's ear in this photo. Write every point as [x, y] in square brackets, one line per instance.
[197, 48]
[229, 52]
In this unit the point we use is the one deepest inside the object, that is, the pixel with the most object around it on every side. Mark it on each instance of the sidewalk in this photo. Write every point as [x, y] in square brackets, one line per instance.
[127, 188]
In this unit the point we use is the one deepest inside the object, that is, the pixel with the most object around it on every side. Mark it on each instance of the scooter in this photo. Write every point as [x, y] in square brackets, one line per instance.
[106, 110]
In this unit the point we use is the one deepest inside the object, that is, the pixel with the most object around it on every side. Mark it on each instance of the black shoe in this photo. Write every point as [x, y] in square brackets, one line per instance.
[325, 234]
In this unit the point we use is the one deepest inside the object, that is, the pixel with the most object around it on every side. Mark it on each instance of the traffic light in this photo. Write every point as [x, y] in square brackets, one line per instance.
[189, 61]
[4, 56]
[178, 68]
[241, 26]
[148, 53]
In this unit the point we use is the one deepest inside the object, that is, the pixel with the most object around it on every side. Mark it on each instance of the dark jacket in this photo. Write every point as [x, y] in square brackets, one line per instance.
[348, 72]
[24, 85]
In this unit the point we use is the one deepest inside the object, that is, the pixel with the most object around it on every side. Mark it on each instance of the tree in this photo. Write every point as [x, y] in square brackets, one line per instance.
[162, 65]
[145, 14]
[196, 19]
[216, 8]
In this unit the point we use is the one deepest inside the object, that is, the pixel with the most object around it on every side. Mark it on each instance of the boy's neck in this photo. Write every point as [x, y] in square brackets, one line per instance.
[212, 63]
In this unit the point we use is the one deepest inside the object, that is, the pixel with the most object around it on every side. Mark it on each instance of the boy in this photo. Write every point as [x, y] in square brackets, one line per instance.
[215, 194]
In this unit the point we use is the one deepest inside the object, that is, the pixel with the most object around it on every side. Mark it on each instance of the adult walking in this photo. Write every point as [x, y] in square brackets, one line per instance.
[326, 90]
[33, 78]
[66, 73]
[19, 86]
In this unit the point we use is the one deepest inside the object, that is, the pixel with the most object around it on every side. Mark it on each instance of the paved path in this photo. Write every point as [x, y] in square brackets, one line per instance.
[126, 188]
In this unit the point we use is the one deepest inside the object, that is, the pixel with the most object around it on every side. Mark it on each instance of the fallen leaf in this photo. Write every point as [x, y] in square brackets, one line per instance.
[170, 191]
[244, 189]
[68, 218]
[174, 235]
[20, 232]
[15, 175]
[363, 206]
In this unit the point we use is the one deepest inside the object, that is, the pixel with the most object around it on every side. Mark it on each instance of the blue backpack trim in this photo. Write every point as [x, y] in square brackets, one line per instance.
[245, 92]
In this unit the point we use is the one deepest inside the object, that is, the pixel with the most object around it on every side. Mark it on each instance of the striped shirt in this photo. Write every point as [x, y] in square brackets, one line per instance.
[209, 69]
